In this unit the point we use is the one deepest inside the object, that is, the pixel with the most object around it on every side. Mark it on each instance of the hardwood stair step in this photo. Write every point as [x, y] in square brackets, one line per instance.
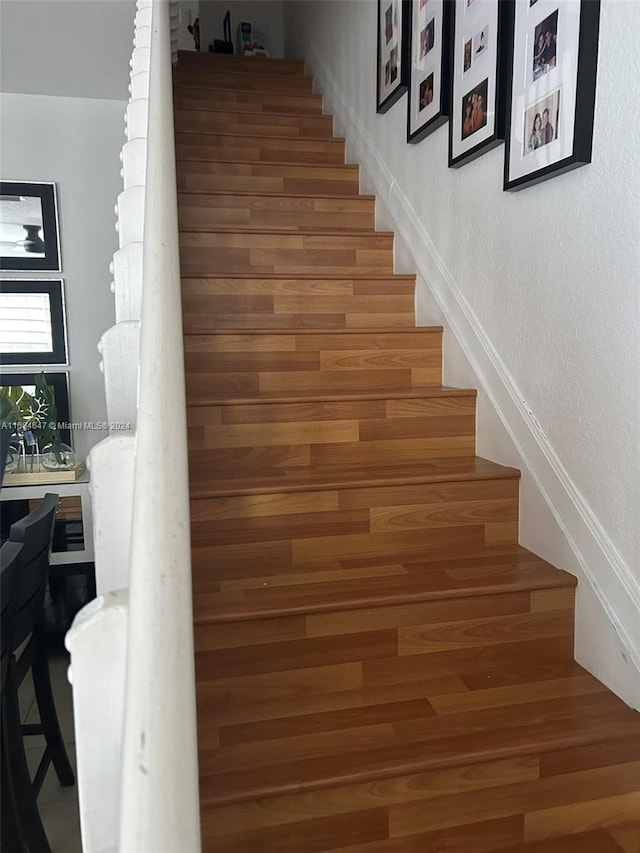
[242, 80]
[345, 761]
[293, 303]
[300, 479]
[254, 361]
[255, 148]
[426, 589]
[255, 124]
[297, 213]
[353, 431]
[252, 64]
[252, 101]
[289, 520]
[286, 253]
[316, 179]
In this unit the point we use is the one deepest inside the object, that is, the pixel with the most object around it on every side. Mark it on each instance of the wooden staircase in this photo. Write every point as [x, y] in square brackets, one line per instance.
[380, 666]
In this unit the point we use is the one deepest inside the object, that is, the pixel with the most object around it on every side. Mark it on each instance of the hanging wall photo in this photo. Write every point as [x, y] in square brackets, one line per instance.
[32, 322]
[552, 89]
[477, 78]
[28, 227]
[393, 66]
[428, 105]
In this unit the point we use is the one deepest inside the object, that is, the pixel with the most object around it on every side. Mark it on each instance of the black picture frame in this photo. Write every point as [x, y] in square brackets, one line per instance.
[428, 75]
[479, 50]
[396, 37]
[59, 380]
[55, 291]
[551, 87]
[38, 248]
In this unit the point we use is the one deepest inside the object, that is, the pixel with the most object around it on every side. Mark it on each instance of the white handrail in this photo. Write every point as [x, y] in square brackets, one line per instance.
[147, 760]
[159, 805]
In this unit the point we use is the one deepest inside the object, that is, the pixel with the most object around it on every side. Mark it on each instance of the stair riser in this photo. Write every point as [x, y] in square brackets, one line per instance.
[202, 211]
[293, 304]
[285, 254]
[477, 808]
[423, 627]
[356, 361]
[353, 432]
[210, 63]
[195, 99]
[204, 146]
[248, 535]
[240, 81]
[264, 178]
[261, 124]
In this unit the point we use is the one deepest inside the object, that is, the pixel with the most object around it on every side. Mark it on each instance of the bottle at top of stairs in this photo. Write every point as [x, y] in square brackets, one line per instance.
[381, 667]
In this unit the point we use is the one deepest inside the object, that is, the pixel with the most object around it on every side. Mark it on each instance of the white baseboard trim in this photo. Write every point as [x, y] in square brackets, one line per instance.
[597, 560]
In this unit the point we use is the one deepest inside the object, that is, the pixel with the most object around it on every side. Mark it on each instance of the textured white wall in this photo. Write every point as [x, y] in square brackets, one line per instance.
[74, 142]
[545, 282]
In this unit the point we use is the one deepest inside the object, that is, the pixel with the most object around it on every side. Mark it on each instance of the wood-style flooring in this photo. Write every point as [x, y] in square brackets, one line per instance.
[381, 668]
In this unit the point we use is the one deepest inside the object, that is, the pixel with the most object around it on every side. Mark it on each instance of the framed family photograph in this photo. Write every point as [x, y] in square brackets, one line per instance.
[393, 42]
[32, 322]
[428, 105]
[552, 87]
[29, 238]
[479, 31]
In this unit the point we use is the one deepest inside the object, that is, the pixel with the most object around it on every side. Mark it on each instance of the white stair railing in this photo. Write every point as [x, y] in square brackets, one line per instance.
[132, 648]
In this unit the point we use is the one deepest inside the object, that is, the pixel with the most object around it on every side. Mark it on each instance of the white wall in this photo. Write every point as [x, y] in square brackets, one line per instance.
[74, 142]
[540, 288]
[265, 16]
[73, 48]
[189, 11]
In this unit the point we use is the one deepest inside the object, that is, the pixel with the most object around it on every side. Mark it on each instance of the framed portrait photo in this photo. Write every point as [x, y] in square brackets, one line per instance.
[29, 237]
[477, 120]
[428, 104]
[552, 87]
[393, 41]
[32, 322]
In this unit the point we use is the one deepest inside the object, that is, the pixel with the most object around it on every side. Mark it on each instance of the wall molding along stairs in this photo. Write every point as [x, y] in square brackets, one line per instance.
[608, 634]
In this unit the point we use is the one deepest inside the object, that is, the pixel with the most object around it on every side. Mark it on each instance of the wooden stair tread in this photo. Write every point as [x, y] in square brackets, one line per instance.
[307, 479]
[342, 757]
[302, 232]
[200, 131]
[179, 78]
[234, 193]
[320, 397]
[307, 277]
[259, 114]
[416, 330]
[483, 571]
[278, 163]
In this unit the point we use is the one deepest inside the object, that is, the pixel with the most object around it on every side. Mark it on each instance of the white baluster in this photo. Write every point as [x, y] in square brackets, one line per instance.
[134, 162]
[111, 463]
[127, 275]
[97, 642]
[121, 358]
[130, 211]
[137, 117]
[139, 86]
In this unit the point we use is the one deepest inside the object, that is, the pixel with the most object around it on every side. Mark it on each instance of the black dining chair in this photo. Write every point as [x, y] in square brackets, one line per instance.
[27, 651]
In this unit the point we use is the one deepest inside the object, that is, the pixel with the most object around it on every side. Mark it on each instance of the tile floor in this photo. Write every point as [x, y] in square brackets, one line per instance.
[58, 806]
